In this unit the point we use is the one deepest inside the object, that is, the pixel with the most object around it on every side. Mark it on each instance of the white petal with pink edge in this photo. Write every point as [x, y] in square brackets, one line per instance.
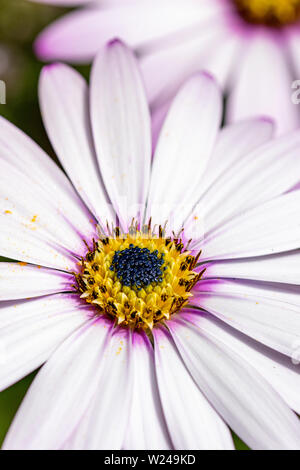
[62, 391]
[192, 422]
[234, 142]
[146, 428]
[53, 209]
[64, 100]
[185, 143]
[20, 242]
[282, 373]
[282, 268]
[21, 281]
[262, 84]
[121, 127]
[270, 228]
[29, 159]
[31, 330]
[260, 176]
[104, 424]
[166, 68]
[78, 36]
[268, 313]
[242, 396]
[234, 145]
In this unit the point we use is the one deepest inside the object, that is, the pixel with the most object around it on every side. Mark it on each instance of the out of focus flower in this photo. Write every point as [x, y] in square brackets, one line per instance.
[148, 342]
[252, 46]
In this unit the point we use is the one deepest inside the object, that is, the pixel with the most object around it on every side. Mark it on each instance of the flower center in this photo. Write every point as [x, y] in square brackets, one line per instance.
[138, 267]
[139, 278]
[274, 13]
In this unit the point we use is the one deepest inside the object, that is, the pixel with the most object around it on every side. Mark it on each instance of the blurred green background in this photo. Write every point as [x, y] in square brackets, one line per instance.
[20, 22]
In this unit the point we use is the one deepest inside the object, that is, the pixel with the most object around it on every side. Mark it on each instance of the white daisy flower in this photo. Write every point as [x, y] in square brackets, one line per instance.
[148, 342]
[251, 46]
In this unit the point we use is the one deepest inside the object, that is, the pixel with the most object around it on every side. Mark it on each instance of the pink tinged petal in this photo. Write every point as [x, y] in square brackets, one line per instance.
[192, 422]
[31, 330]
[278, 370]
[263, 85]
[121, 127]
[167, 68]
[268, 313]
[65, 108]
[19, 281]
[267, 172]
[242, 396]
[104, 424]
[147, 427]
[282, 268]
[20, 242]
[62, 391]
[158, 117]
[273, 227]
[37, 198]
[78, 36]
[235, 142]
[185, 144]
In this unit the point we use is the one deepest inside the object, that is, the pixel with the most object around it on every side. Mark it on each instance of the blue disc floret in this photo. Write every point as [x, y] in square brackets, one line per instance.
[138, 267]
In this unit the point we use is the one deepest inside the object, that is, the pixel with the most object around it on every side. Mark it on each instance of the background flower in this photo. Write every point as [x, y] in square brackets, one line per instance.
[255, 58]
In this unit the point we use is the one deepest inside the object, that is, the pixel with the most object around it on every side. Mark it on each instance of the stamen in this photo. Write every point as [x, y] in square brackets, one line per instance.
[273, 13]
[138, 267]
[138, 278]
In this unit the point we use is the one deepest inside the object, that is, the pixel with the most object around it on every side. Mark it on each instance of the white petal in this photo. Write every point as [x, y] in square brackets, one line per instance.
[37, 203]
[78, 36]
[19, 241]
[283, 268]
[192, 422]
[184, 147]
[61, 392]
[20, 281]
[242, 396]
[235, 142]
[105, 422]
[169, 66]
[270, 228]
[263, 84]
[267, 172]
[30, 330]
[268, 313]
[278, 370]
[147, 427]
[121, 127]
[64, 103]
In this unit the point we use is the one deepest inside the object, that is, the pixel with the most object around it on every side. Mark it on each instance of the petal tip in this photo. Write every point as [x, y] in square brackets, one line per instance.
[115, 42]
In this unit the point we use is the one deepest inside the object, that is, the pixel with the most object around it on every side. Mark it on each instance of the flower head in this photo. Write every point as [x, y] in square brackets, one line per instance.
[251, 46]
[138, 279]
[175, 282]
